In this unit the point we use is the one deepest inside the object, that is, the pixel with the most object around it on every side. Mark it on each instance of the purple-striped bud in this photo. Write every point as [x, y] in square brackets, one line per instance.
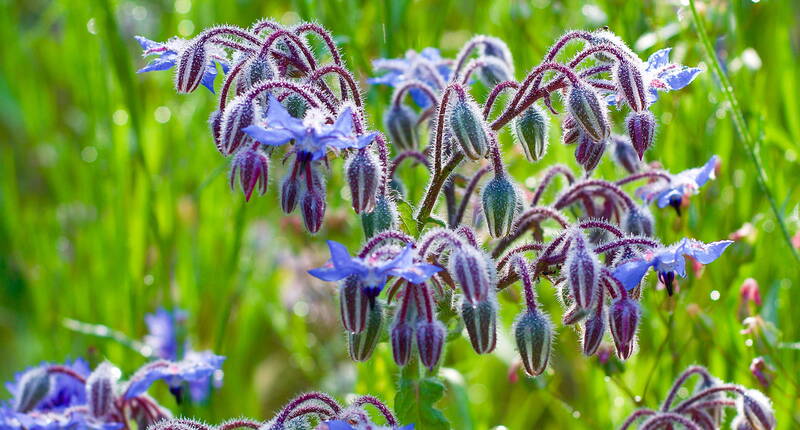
[570, 135]
[402, 337]
[362, 345]
[641, 129]
[382, 218]
[740, 423]
[312, 202]
[290, 191]
[363, 176]
[631, 85]
[468, 128]
[252, 165]
[625, 155]
[100, 389]
[33, 387]
[756, 408]
[191, 67]
[493, 71]
[239, 114]
[623, 319]
[500, 205]
[401, 123]
[353, 304]
[481, 322]
[215, 124]
[574, 314]
[531, 128]
[430, 342]
[534, 334]
[469, 270]
[594, 328]
[583, 272]
[588, 152]
[589, 111]
[638, 221]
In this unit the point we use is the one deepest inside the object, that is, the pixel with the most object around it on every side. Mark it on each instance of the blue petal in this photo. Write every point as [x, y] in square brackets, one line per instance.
[344, 124]
[210, 76]
[430, 53]
[658, 60]
[407, 427]
[417, 273]
[200, 365]
[707, 171]
[706, 253]
[278, 116]
[665, 196]
[338, 425]
[329, 273]
[164, 62]
[679, 77]
[365, 140]
[147, 43]
[272, 136]
[391, 79]
[631, 273]
[419, 97]
[404, 259]
[339, 254]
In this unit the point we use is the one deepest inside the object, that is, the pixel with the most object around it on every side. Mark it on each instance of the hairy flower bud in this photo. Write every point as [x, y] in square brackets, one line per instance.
[239, 114]
[594, 328]
[312, 202]
[582, 272]
[588, 152]
[500, 205]
[402, 337]
[363, 176]
[215, 124]
[756, 408]
[430, 342]
[641, 129]
[570, 135]
[401, 123]
[33, 387]
[252, 166]
[638, 221]
[296, 105]
[589, 111]
[290, 190]
[623, 319]
[382, 218]
[468, 129]
[191, 67]
[534, 334]
[255, 69]
[531, 129]
[362, 344]
[468, 268]
[100, 389]
[481, 321]
[353, 304]
[494, 71]
[625, 155]
[631, 85]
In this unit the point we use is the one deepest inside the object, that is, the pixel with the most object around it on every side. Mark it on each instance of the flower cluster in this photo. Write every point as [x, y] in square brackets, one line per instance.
[704, 409]
[303, 412]
[73, 396]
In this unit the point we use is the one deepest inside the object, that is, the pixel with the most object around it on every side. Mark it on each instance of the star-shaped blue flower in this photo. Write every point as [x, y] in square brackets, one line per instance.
[680, 186]
[426, 66]
[668, 260]
[167, 53]
[312, 136]
[195, 366]
[373, 273]
[65, 392]
[661, 75]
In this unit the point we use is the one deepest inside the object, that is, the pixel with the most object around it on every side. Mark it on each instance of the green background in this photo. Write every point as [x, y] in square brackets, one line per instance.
[113, 202]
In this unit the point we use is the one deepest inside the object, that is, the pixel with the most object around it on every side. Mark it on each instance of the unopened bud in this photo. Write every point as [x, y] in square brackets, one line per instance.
[296, 105]
[252, 166]
[570, 135]
[382, 218]
[215, 124]
[494, 71]
[591, 114]
[631, 85]
[239, 114]
[531, 128]
[638, 221]
[353, 304]
[468, 129]
[588, 152]
[401, 123]
[625, 155]
[100, 389]
[623, 319]
[583, 272]
[362, 344]
[594, 328]
[430, 342]
[33, 387]
[290, 191]
[641, 129]
[313, 204]
[500, 205]
[757, 410]
[363, 176]
[481, 321]
[534, 334]
[402, 337]
[191, 67]
[469, 270]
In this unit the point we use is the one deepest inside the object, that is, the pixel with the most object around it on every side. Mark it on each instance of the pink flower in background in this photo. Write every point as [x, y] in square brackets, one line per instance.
[749, 292]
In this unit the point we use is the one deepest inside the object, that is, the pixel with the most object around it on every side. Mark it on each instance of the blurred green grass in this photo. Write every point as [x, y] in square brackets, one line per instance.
[114, 202]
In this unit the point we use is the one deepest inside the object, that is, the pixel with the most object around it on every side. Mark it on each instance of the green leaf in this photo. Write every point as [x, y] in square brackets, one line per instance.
[407, 222]
[414, 403]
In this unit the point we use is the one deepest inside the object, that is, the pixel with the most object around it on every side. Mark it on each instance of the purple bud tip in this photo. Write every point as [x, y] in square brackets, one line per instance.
[402, 337]
[363, 176]
[469, 270]
[481, 321]
[430, 342]
[623, 319]
[583, 272]
[534, 335]
[252, 166]
[593, 330]
[100, 389]
[353, 304]
[641, 129]
[756, 408]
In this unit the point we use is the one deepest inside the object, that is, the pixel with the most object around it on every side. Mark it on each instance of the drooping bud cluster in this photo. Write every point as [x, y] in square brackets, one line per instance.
[705, 407]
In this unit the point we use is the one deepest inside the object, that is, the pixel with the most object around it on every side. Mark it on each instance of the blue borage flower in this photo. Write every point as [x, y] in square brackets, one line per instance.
[658, 74]
[312, 136]
[373, 272]
[168, 56]
[196, 366]
[680, 186]
[342, 425]
[668, 261]
[65, 391]
[426, 66]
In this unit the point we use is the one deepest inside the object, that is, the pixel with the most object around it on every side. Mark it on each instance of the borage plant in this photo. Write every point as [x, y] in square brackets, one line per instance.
[593, 241]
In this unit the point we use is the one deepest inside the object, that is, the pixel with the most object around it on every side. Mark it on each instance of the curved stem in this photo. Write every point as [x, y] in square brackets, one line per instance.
[570, 195]
[524, 222]
[400, 92]
[440, 121]
[636, 415]
[527, 284]
[430, 238]
[435, 186]
[471, 187]
[266, 24]
[533, 246]
[364, 400]
[628, 241]
[496, 91]
[64, 370]
[383, 157]
[663, 418]
[693, 370]
[650, 174]
[708, 391]
[223, 94]
[239, 423]
[414, 155]
[602, 225]
[383, 237]
[291, 86]
[230, 31]
[306, 410]
[310, 27]
[232, 45]
[468, 234]
[303, 398]
[549, 175]
[344, 75]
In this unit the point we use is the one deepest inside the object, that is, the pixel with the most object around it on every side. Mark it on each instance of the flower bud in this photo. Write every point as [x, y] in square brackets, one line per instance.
[583, 272]
[625, 155]
[481, 321]
[638, 221]
[740, 423]
[623, 319]
[531, 128]
[468, 268]
[363, 176]
[593, 330]
[353, 304]
[588, 152]
[494, 71]
[33, 387]
[641, 129]
[756, 408]
[402, 337]
[296, 105]
[191, 67]
[255, 69]
[382, 218]
[239, 114]
[631, 85]
[252, 166]
[313, 204]
[290, 190]
[401, 123]
[215, 124]
[500, 205]
[362, 344]
[570, 135]
[534, 335]
[591, 114]
[468, 128]
[100, 389]
[430, 342]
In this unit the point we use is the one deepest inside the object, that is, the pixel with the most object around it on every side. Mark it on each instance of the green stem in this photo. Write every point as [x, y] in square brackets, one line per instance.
[741, 126]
